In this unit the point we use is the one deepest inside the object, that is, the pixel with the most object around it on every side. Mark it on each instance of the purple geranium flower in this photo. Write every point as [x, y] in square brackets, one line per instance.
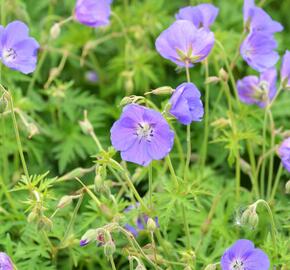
[285, 70]
[5, 262]
[254, 90]
[202, 15]
[184, 44]
[258, 50]
[93, 13]
[243, 255]
[259, 19]
[142, 135]
[18, 51]
[140, 222]
[284, 153]
[91, 76]
[186, 105]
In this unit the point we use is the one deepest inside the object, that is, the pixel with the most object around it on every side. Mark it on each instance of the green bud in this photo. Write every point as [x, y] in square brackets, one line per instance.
[140, 267]
[164, 90]
[212, 80]
[250, 217]
[210, 267]
[55, 31]
[64, 201]
[287, 187]
[3, 104]
[109, 248]
[32, 216]
[86, 125]
[151, 225]
[223, 75]
[44, 224]
[90, 235]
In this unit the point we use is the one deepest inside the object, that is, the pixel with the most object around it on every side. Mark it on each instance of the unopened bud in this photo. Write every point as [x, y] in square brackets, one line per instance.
[221, 123]
[223, 75]
[140, 267]
[151, 225]
[109, 248]
[86, 125]
[32, 216]
[250, 217]
[55, 31]
[210, 267]
[33, 130]
[212, 80]
[287, 187]
[3, 104]
[245, 166]
[90, 235]
[64, 201]
[164, 90]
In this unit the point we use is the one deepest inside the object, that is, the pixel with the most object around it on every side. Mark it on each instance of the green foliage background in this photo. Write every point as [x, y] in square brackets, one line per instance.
[126, 62]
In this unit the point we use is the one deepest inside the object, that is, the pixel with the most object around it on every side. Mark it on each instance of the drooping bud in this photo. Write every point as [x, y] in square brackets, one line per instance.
[245, 166]
[64, 201]
[287, 187]
[86, 125]
[55, 31]
[212, 80]
[223, 75]
[90, 235]
[250, 217]
[151, 225]
[44, 224]
[210, 267]
[32, 130]
[3, 104]
[109, 248]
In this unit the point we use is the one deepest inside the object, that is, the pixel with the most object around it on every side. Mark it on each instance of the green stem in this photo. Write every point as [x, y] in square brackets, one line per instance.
[271, 166]
[171, 169]
[276, 183]
[206, 119]
[17, 135]
[262, 176]
[150, 178]
[273, 226]
[112, 262]
[188, 135]
[253, 169]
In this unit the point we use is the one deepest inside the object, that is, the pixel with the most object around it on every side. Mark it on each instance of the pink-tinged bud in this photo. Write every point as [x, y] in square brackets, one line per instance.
[90, 235]
[55, 31]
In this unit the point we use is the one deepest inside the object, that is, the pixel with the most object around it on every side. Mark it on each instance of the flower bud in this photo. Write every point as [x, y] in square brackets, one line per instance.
[164, 90]
[212, 80]
[64, 201]
[86, 125]
[109, 248]
[223, 75]
[3, 104]
[245, 167]
[33, 130]
[90, 235]
[287, 187]
[55, 31]
[140, 267]
[210, 267]
[250, 217]
[33, 215]
[151, 225]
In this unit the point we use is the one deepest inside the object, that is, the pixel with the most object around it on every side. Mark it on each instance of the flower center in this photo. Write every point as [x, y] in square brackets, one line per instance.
[262, 91]
[144, 131]
[9, 55]
[237, 265]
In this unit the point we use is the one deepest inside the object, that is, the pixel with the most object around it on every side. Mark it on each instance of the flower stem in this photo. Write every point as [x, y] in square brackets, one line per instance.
[206, 119]
[273, 226]
[262, 176]
[186, 228]
[150, 178]
[253, 169]
[276, 183]
[16, 130]
[171, 169]
[112, 262]
[271, 165]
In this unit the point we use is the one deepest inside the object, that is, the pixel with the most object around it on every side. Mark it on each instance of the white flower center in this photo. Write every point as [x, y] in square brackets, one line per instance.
[9, 55]
[144, 131]
[237, 264]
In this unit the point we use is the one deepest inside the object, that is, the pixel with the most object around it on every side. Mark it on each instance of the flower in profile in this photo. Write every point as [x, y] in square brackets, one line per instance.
[202, 15]
[243, 255]
[284, 153]
[5, 262]
[259, 20]
[139, 223]
[93, 13]
[285, 70]
[258, 50]
[141, 135]
[18, 50]
[184, 44]
[186, 105]
[258, 90]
